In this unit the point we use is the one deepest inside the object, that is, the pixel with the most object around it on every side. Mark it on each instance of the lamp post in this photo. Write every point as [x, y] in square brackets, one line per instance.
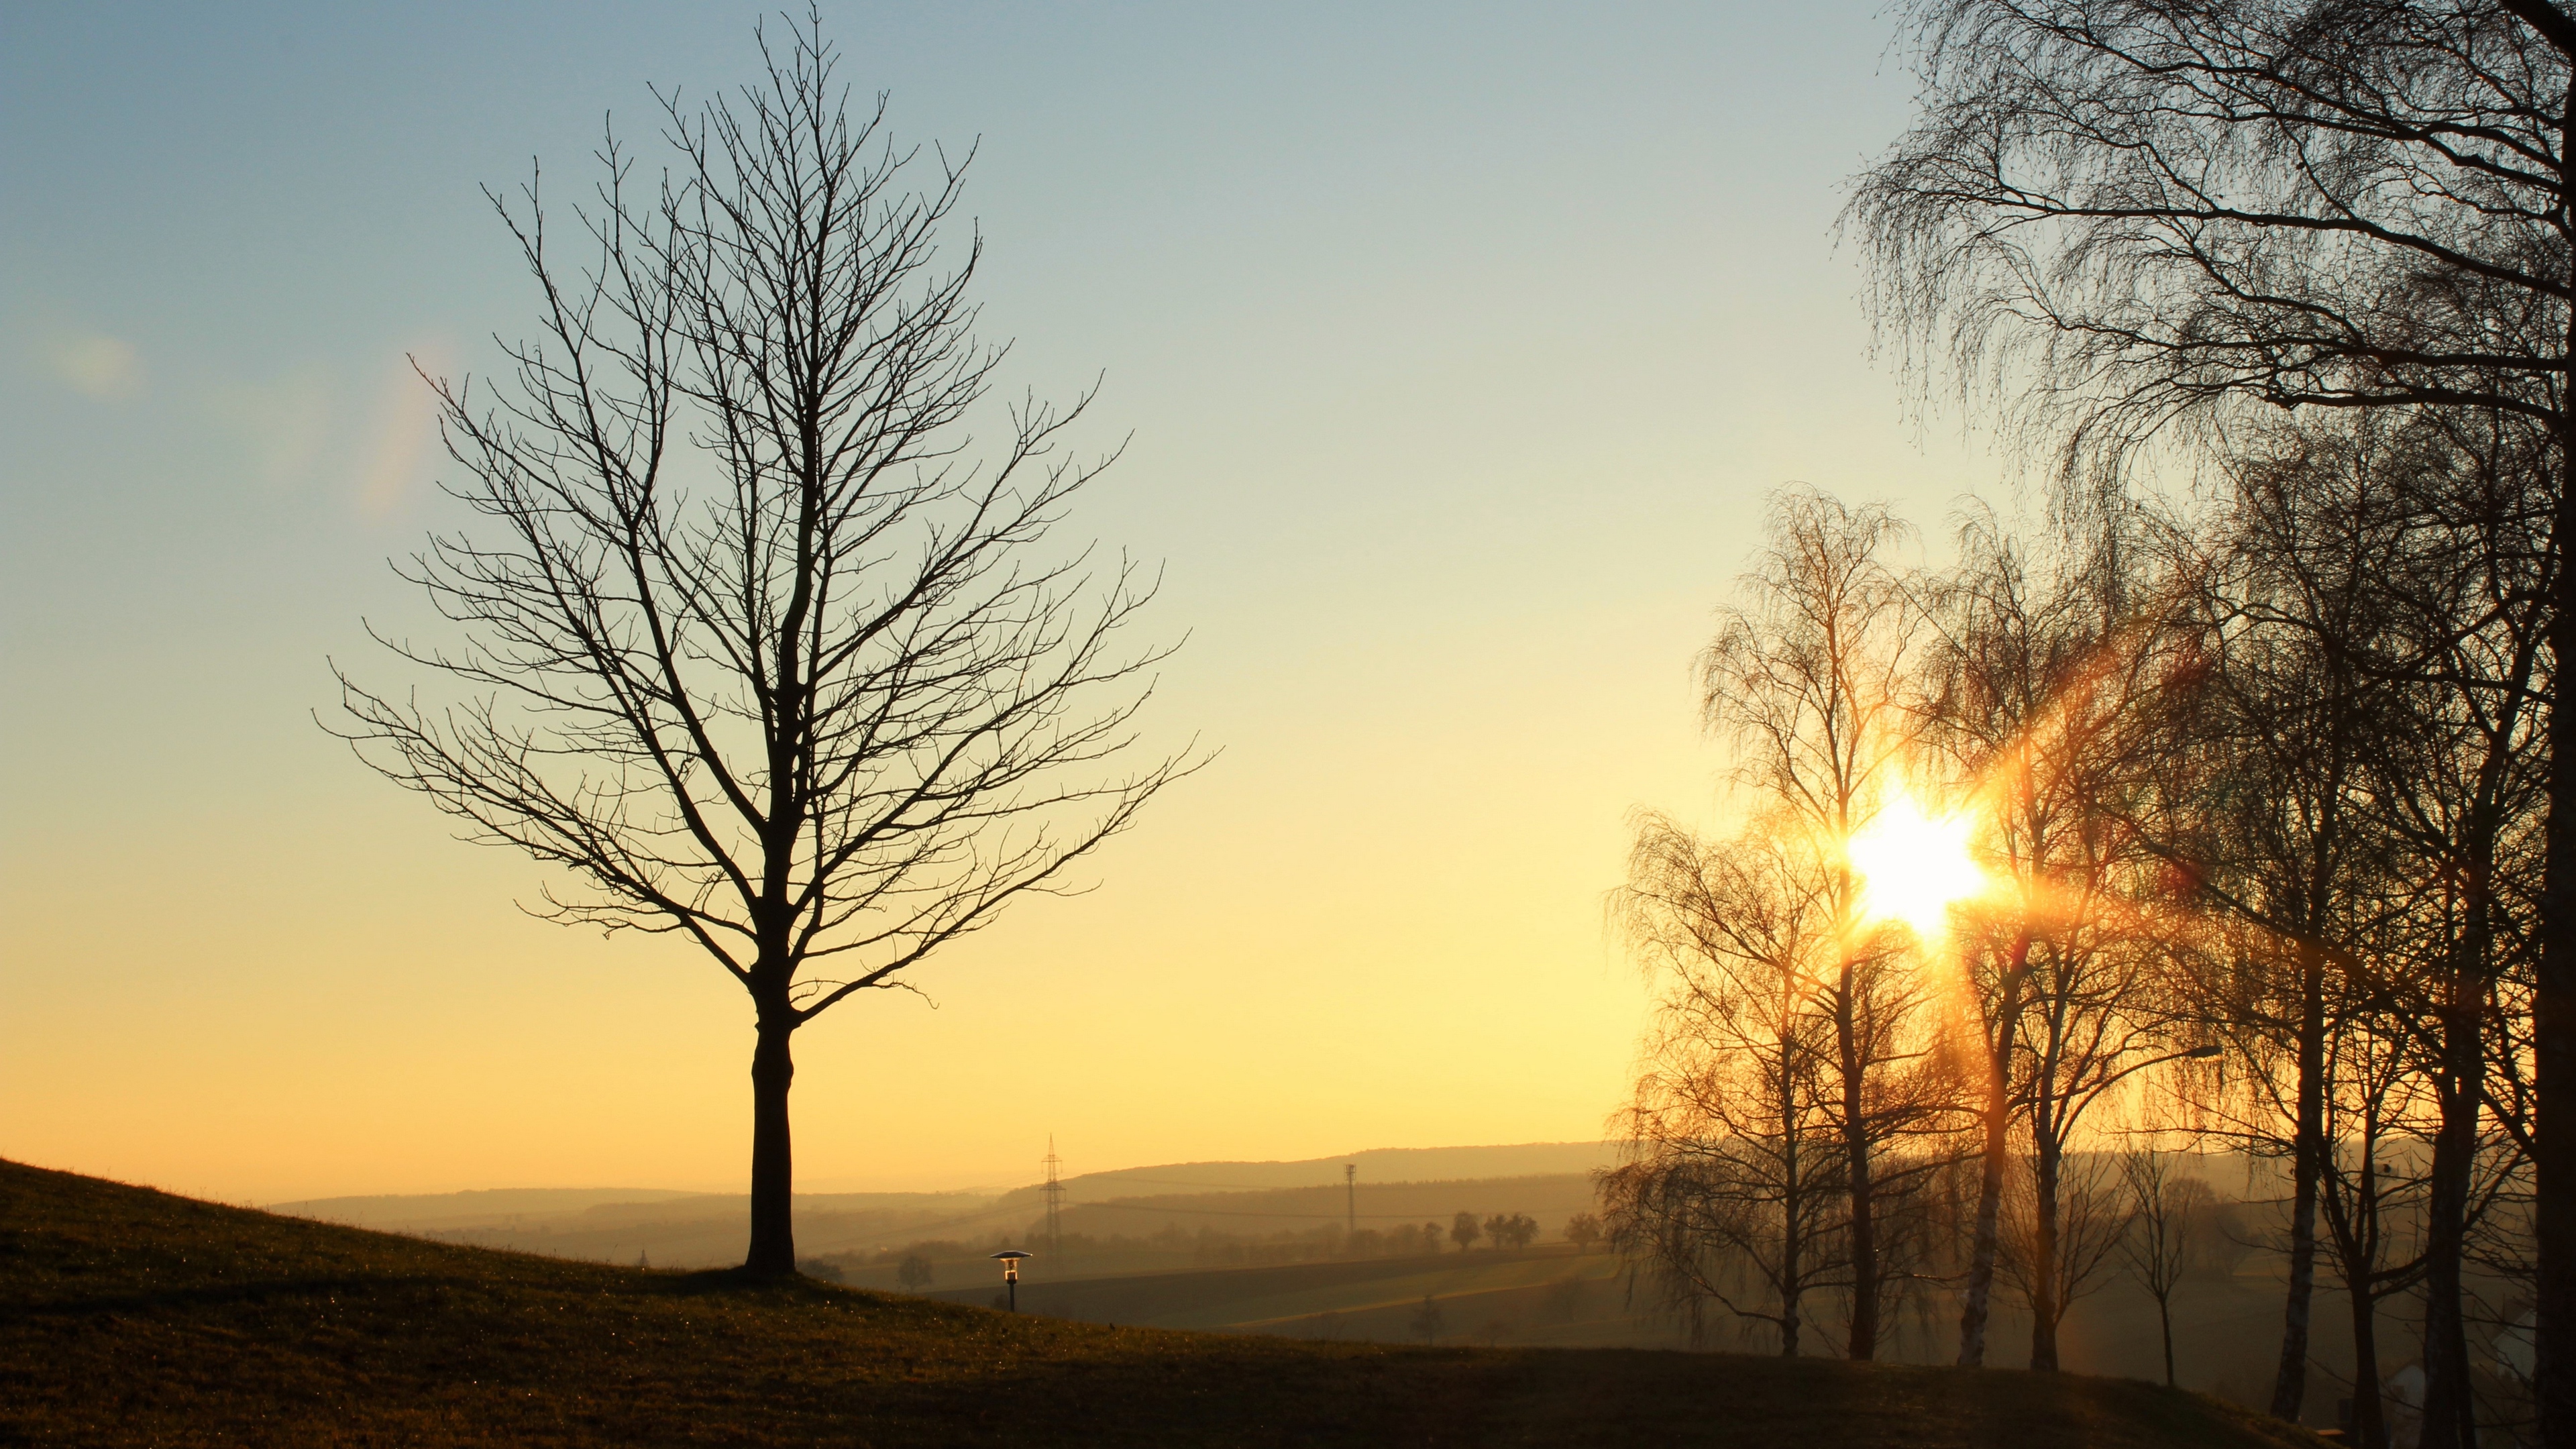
[1010, 1259]
[2195, 1054]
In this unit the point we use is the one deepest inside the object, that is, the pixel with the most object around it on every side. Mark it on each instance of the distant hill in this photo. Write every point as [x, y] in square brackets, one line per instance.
[1377, 1165]
[701, 1230]
[603, 1206]
[429, 1210]
[132, 1317]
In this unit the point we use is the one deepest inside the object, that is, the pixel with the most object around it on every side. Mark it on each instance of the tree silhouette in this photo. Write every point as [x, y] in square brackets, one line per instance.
[1583, 1230]
[2156, 1249]
[1464, 1230]
[758, 651]
[2118, 215]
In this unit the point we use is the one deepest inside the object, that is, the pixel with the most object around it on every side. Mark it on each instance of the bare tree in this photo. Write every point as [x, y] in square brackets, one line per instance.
[2156, 1249]
[2123, 212]
[2365, 1189]
[756, 650]
[2060, 1233]
[1464, 1230]
[1987, 691]
[2273, 817]
[1809, 679]
[1734, 1180]
[1583, 1230]
[2369, 799]
[2045, 679]
[2460, 792]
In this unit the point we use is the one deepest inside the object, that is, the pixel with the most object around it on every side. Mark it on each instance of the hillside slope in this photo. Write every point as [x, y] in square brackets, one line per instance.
[133, 1317]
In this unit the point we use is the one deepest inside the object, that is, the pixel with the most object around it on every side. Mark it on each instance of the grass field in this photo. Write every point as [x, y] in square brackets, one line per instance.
[1372, 1298]
[133, 1317]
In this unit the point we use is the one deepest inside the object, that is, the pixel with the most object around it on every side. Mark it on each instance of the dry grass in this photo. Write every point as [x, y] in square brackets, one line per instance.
[134, 1317]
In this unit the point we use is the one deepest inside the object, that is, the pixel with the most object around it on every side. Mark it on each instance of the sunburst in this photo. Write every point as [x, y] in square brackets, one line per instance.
[1914, 865]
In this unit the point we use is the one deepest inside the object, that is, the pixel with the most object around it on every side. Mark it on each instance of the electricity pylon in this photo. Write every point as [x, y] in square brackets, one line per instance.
[1054, 1202]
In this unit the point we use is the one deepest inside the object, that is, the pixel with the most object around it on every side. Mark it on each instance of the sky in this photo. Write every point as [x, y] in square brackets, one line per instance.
[1457, 348]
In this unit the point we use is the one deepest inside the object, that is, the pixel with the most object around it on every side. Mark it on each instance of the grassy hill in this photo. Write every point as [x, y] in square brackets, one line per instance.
[134, 1317]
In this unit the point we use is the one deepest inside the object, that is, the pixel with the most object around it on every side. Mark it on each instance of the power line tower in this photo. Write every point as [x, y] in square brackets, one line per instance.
[1351, 1193]
[1054, 1201]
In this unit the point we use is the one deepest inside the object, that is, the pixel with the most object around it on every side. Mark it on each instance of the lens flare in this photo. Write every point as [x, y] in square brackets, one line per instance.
[1913, 866]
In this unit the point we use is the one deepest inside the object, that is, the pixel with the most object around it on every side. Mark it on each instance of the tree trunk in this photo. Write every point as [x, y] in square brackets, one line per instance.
[2553, 1008]
[1981, 1256]
[1864, 1228]
[2164, 1322]
[1793, 1246]
[2043, 1252]
[2307, 1150]
[2554, 1041]
[773, 1166]
[1998, 1155]
[2369, 1418]
[2450, 1419]
[2554, 1071]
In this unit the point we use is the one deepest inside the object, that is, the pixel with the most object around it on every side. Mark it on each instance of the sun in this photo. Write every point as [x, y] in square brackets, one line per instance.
[1913, 866]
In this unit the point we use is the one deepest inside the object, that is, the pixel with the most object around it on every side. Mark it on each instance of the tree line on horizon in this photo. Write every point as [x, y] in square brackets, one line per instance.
[2250, 734]
[1212, 1247]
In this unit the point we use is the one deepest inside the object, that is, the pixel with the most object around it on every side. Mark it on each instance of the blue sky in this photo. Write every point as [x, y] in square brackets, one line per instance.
[1458, 346]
